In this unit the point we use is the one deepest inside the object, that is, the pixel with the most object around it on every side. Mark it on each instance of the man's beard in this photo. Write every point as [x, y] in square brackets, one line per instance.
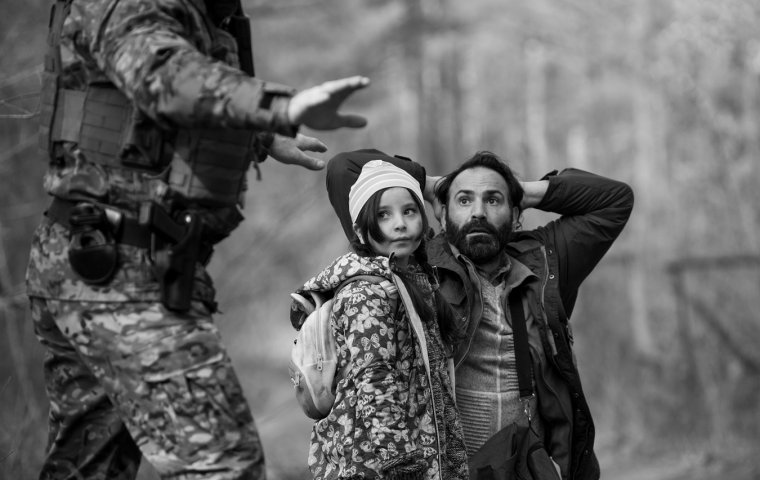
[479, 248]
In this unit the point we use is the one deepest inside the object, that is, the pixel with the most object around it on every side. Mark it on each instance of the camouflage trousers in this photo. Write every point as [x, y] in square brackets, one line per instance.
[127, 380]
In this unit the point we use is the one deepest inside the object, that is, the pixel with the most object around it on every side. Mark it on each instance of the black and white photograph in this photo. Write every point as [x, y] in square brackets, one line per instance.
[379, 240]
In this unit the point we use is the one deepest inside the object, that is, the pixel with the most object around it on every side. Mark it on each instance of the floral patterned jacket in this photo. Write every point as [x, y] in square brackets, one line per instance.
[388, 420]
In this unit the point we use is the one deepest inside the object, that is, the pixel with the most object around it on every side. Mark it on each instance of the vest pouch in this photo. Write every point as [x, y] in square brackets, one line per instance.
[209, 166]
[93, 253]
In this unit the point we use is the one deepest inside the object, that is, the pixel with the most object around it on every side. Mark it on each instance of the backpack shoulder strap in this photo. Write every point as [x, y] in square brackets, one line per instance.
[415, 321]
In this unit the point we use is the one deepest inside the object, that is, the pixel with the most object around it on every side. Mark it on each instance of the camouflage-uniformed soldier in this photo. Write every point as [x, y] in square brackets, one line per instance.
[151, 126]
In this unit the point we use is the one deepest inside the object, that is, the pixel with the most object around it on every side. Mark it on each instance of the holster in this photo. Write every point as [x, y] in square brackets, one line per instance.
[93, 254]
[176, 249]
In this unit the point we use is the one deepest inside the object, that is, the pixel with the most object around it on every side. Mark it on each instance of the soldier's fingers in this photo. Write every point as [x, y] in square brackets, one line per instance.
[296, 157]
[345, 85]
[310, 144]
[352, 121]
[306, 161]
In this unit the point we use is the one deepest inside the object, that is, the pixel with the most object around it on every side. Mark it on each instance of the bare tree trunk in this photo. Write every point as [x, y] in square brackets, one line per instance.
[534, 52]
[644, 180]
[577, 148]
[412, 36]
[748, 211]
[402, 90]
[433, 69]
[424, 75]
[452, 115]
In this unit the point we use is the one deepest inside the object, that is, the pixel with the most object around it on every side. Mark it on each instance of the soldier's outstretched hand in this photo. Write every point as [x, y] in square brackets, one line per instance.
[291, 151]
[317, 107]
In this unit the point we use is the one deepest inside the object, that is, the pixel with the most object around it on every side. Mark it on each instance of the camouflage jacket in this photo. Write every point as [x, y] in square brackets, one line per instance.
[179, 71]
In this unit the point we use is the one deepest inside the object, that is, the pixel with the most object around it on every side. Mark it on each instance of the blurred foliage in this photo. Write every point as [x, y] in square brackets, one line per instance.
[661, 94]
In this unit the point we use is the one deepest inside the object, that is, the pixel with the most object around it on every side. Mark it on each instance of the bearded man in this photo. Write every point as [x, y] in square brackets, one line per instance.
[482, 257]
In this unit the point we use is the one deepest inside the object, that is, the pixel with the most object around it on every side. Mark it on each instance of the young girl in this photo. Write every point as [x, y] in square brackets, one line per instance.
[389, 419]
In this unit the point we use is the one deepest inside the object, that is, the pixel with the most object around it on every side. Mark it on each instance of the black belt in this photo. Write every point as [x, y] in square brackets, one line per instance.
[128, 231]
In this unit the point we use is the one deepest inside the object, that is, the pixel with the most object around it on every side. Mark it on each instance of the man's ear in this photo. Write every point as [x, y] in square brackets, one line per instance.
[442, 218]
[358, 234]
[516, 224]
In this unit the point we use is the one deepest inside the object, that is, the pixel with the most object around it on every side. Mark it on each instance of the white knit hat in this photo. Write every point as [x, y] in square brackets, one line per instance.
[377, 175]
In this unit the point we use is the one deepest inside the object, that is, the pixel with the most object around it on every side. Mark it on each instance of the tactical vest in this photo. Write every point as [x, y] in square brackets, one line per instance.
[207, 167]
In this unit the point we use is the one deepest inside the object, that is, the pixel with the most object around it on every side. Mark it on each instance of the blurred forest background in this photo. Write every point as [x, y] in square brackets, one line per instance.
[662, 94]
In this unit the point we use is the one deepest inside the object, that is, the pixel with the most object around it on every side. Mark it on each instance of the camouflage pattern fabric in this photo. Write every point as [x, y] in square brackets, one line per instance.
[165, 57]
[127, 375]
[179, 71]
[49, 274]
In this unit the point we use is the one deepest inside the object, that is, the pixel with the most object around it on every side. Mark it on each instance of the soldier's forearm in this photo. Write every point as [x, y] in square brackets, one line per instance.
[159, 67]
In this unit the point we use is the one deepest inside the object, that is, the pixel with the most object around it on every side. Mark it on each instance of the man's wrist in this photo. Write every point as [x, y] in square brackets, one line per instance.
[533, 193]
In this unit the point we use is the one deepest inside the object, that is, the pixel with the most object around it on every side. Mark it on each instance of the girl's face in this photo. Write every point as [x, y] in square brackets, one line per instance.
[400, 222]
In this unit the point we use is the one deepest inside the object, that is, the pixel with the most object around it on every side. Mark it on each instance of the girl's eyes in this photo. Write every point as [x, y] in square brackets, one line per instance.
[387, 214]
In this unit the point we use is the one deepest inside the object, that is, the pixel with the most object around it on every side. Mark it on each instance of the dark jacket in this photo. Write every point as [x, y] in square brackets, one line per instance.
[561, 254]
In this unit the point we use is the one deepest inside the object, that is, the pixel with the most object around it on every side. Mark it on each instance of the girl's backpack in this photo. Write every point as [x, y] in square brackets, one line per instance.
[314, 356]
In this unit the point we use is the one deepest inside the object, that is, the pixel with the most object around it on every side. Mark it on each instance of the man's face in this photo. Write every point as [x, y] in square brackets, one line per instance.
[478, 218]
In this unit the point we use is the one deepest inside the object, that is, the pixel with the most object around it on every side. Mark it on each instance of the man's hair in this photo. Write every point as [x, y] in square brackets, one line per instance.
[489, 160]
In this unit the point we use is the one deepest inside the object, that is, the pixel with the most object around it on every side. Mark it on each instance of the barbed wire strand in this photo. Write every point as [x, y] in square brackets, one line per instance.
[27, 113]
[11, 79]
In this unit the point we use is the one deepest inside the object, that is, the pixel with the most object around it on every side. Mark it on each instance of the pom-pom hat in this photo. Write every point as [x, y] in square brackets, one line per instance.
[378, 175]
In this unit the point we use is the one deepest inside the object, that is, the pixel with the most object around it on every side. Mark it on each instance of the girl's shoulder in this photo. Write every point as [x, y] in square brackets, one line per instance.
[362, 288]
[377, 297]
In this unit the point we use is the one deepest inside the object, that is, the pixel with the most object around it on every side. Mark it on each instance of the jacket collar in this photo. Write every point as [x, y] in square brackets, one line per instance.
[444, 255]
[440, 255]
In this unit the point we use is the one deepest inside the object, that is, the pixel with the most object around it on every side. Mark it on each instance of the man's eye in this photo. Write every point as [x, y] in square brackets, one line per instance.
[464, 201]
[493, 201]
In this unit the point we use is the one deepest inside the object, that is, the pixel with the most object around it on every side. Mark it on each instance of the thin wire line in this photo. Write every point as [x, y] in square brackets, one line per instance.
[27, 113]
[36, 70]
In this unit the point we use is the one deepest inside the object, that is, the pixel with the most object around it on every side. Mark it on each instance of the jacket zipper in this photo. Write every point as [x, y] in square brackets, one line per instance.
[546, 330]
[432, 400]
[480, 316]
[437, 430]
[550, 339]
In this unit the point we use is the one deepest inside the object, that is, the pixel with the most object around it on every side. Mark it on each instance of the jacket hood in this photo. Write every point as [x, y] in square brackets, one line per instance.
[340, 270]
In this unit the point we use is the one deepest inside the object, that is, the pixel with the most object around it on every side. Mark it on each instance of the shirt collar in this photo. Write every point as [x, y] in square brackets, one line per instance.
[510, 269]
